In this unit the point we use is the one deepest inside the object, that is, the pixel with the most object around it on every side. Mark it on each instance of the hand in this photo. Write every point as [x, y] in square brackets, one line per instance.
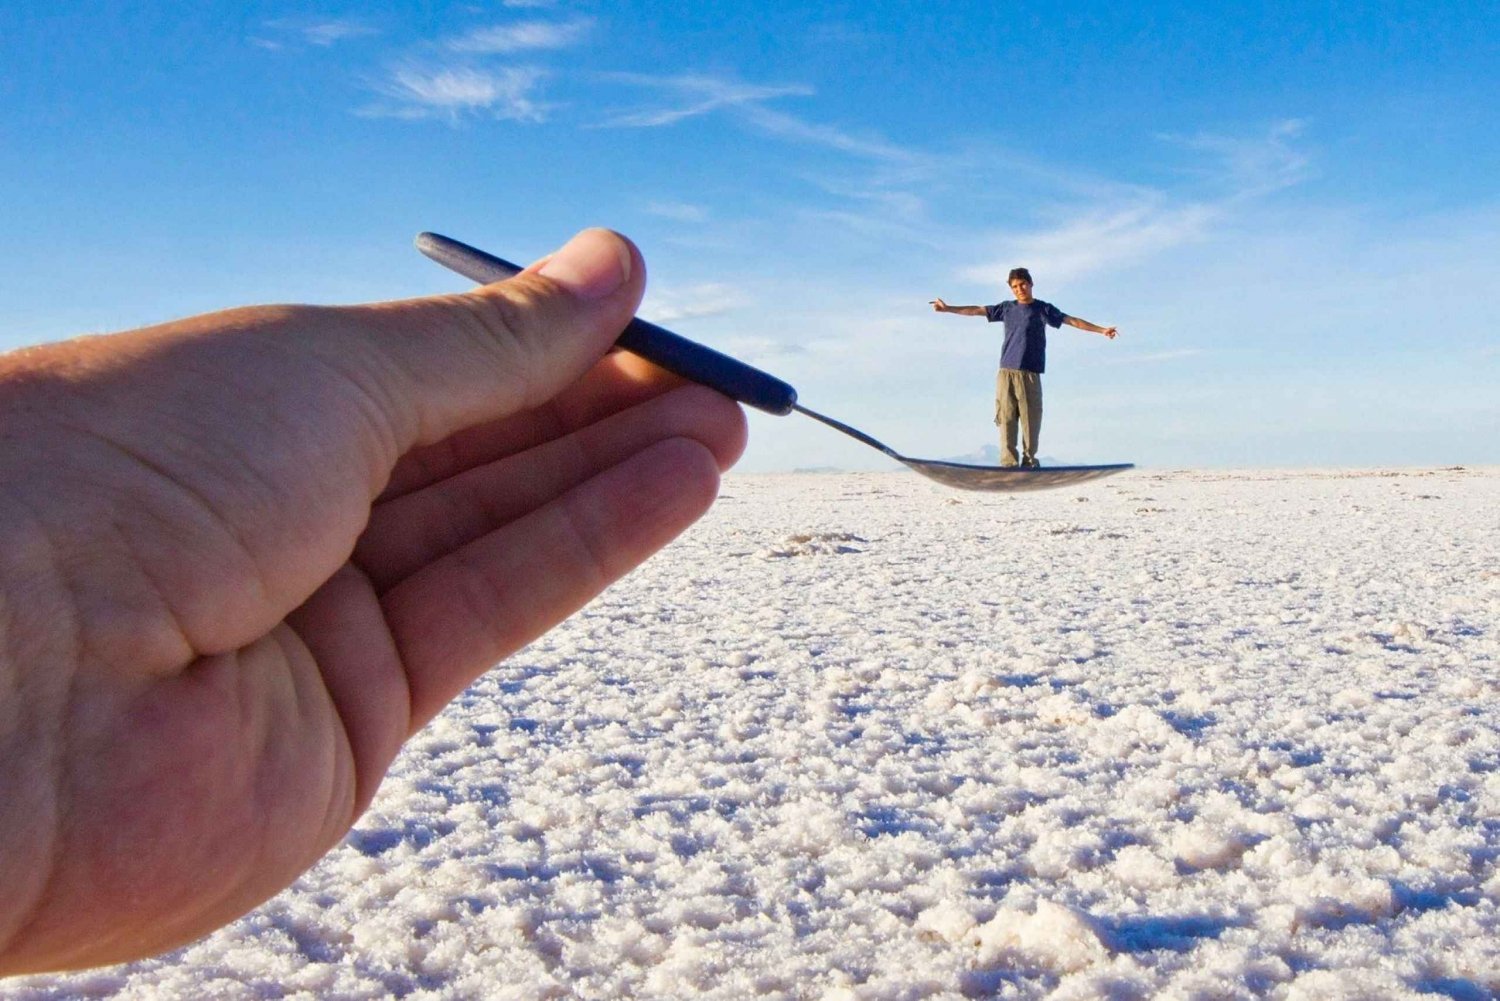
[938, 305]
[244, 556]
[1109, 332]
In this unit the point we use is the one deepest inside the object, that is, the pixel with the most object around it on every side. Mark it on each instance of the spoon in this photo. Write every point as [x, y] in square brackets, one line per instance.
[751, 386]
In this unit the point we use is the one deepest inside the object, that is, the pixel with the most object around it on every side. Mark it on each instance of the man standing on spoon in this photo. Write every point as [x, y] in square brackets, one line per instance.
[1023, 359]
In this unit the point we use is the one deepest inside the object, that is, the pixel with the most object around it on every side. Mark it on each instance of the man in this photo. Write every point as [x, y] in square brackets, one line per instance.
[1023, 359]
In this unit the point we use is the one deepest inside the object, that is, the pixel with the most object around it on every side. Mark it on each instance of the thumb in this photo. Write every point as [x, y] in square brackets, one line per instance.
[444, 363]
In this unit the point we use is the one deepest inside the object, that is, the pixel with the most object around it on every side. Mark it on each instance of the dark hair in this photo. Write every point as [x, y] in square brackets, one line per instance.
[1020, 273]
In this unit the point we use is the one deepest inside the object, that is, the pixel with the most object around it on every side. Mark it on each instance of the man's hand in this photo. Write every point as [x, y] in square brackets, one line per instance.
[243, 556]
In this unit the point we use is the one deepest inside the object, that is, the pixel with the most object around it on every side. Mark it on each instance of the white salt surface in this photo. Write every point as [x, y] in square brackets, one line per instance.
[1178, 735]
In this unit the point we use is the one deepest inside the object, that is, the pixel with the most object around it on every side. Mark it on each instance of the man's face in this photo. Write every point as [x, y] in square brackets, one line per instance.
[1021, 288]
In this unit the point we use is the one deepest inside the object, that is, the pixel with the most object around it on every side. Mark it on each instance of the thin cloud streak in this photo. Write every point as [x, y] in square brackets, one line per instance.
[1146, 223]
[701, 94]
[320, 33]
[452, 93]
[694, 302]
[1101, 239]
[879, 210]
[1154, 357]
[678, 212]
[1254, 166]
[757, 349]
[786, 126]
[524, 36]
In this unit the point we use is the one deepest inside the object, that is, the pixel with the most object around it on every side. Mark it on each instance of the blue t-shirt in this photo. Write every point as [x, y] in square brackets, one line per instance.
[1025, 332]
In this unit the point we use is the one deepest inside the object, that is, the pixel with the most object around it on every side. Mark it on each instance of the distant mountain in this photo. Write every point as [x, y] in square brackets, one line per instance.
[987, 455]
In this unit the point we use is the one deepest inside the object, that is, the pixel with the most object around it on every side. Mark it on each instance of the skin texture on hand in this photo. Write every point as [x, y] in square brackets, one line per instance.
[244, 556]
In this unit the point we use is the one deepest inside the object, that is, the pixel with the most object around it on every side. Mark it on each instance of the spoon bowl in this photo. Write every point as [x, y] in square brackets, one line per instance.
[964, 476]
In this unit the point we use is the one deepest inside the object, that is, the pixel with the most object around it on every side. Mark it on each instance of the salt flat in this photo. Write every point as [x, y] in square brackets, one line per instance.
[1174, 734]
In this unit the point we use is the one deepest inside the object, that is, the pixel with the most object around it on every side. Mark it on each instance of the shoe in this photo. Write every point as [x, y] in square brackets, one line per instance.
[1030, 464]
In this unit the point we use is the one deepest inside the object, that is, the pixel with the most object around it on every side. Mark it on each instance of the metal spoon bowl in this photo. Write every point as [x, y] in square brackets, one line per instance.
[965, 476]
[751, 386]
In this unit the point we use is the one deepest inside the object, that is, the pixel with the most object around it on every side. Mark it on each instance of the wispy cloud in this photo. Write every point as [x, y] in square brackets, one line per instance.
[694, 95]
[694, 302]
[761, 350]
[1153, 357]
[880, 191]
[875, 208]
[1129, 225]
[697, 94]
[1253, 165]
[882, 201]
[843, 34]
[523, 36]
[454, 93]
[678, 211]
[871, 147]
[1099, 239]
[318, 32]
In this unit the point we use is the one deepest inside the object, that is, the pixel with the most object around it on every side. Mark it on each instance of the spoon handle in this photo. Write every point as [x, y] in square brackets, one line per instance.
[672, 352]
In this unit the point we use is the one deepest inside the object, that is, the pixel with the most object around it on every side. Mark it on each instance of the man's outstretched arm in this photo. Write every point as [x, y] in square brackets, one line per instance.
[940, 306]
[1092, 328]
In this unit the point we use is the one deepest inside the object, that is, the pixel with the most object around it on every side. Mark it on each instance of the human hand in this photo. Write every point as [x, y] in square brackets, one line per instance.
[1109, 332]
[938, 305]
[244, 556]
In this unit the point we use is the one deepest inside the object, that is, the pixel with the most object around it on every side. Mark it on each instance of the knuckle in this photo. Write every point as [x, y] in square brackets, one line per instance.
[514, 317]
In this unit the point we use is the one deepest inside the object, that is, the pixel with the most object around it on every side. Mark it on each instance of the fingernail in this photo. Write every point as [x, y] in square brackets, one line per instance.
[592, 265]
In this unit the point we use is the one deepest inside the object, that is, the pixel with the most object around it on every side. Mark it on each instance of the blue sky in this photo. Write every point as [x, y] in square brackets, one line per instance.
[1290, 211]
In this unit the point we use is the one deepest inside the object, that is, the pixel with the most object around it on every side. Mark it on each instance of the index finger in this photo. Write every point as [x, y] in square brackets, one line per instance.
[619, 381]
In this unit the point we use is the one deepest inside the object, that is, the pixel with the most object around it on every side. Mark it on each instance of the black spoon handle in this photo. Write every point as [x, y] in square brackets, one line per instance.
[672, 352]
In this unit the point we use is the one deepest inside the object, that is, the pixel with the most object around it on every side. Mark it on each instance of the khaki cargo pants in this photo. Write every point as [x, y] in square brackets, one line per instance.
[1018, 400]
